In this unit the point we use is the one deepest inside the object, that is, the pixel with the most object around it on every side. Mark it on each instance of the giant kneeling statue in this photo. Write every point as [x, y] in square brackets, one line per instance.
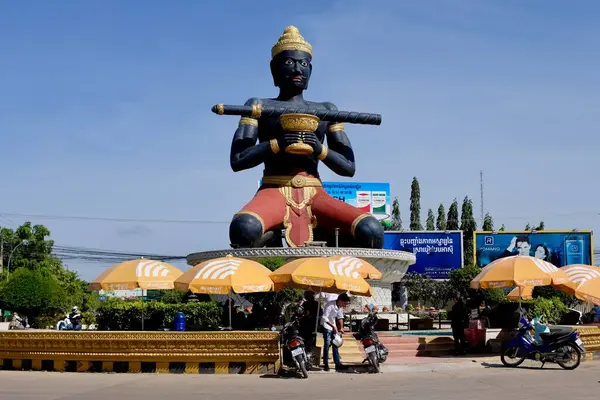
[291, 136]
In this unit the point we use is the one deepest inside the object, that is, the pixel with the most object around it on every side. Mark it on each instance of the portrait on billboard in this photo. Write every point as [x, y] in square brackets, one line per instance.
[557, 247]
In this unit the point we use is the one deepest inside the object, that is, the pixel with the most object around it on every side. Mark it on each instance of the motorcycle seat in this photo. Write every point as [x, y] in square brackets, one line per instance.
[556, 334]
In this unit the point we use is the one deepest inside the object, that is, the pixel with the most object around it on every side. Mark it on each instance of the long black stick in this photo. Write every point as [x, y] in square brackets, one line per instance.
[257, 111]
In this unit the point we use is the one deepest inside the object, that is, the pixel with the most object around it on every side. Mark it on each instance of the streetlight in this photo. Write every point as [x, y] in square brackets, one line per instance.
[10, 257]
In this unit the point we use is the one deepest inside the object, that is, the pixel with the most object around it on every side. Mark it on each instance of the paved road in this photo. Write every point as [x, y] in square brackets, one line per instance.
[462, 382]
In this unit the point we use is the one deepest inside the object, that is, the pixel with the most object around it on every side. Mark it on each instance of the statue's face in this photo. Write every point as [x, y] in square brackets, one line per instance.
[291, 69]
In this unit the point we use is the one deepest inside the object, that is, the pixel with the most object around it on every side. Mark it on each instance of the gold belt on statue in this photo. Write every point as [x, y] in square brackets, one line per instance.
[297, 181]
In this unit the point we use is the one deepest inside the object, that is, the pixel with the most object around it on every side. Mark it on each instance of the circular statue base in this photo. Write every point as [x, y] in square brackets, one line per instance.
[393, 265]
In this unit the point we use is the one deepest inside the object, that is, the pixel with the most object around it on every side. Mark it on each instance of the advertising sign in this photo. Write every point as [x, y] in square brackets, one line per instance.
[557, 247]
[372, 197]
[437, 252]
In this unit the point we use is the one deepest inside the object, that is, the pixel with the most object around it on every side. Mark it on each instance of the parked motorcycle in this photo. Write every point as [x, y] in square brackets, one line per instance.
[376, 353]
[293, 347]
[561, 345]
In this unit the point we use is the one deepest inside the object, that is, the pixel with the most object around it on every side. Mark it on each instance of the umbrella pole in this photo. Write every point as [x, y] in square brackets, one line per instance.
[229, 294]
[318, 309]
[142, 309]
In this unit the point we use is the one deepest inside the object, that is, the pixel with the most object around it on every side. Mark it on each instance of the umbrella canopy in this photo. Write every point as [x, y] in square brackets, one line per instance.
[518, 271]
[348, 263]
[320, 273]
[584, 282]
[578, 274]
[521, 293]
[134, 274]
[226, 274]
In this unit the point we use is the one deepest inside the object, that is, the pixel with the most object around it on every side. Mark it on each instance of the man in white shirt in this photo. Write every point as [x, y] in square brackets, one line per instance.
[332, 322]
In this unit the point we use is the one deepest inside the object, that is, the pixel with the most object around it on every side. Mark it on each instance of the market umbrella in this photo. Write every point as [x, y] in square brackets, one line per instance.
[584, 282]
[320, 273]
[137, 274]
[518, 271]
[578, 274]
[225, 275]
[133, 274]
[520, 293]
[348, 263]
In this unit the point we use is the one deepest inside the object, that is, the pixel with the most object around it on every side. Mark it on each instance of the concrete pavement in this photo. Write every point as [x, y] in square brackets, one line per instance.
[447, 381]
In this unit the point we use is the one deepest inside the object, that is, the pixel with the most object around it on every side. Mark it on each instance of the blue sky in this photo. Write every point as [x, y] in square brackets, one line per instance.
[105, 109]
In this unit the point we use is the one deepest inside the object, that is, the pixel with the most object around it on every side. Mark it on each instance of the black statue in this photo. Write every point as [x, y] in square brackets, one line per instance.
[291, 146]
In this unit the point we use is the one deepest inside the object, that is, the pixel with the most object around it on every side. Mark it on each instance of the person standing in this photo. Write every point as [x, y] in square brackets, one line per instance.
[333, 322]
[458, 323]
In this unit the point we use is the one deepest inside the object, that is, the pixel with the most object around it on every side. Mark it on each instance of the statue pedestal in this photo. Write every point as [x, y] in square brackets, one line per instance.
[382, 297]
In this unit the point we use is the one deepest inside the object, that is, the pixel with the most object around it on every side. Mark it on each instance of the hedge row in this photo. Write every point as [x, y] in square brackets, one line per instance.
[116, 314]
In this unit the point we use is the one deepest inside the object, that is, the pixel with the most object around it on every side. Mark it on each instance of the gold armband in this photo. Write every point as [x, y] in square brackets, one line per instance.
[248, 121]
[324, 153]
[274, 145]
[256, 110]
[339, 127]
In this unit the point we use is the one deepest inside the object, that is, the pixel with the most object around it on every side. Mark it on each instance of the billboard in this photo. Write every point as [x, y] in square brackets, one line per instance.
[372, 197]
[557, 247]
[437, 252]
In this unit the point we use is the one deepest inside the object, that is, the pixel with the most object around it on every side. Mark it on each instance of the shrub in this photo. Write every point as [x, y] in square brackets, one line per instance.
[117, 314]
[551, 309]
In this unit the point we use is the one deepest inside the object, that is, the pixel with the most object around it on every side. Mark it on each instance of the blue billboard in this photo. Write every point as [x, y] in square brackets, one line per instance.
[557, 247]
[437, 252]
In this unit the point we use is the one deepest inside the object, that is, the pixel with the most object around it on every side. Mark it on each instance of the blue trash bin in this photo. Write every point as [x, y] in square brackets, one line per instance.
[180, 322]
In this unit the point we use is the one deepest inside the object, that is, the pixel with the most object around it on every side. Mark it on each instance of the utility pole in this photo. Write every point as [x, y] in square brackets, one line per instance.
[481, 193]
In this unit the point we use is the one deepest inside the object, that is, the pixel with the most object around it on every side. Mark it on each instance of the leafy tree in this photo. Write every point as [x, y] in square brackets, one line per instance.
[468, 226]
[502, 228]
[541, 226]
[452, 222]
[488, 223]
[528, 227]
[460, 281]
[31, 249]
[441, 218]
[34, 293]
[396, 224]
[430, 223]
[415, 206]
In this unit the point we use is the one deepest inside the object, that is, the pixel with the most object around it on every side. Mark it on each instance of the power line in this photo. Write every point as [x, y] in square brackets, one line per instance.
[114, 219]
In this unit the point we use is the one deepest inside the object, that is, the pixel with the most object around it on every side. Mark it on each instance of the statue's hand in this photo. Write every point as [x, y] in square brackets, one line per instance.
[313, 141]
[287, 139]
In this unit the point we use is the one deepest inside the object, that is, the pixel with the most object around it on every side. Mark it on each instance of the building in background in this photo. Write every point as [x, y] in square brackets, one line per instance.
[557, 247]
[437, 252]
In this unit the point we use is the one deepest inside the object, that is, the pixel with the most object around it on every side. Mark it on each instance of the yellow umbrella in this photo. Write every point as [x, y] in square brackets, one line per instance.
[134, 274]
[518, 271]
[589, 290]
[365, 269]
[578, 274]
[521, 293]
[224, 275]
[320, 272]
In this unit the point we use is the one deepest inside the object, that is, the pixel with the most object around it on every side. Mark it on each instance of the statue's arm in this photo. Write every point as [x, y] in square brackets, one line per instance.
[245, 152]
[340, 156]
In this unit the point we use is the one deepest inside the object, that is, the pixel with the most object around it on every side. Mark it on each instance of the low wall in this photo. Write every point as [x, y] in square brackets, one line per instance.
[163, 352]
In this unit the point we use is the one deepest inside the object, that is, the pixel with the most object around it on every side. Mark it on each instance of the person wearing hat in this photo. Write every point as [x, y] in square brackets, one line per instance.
[75, 318]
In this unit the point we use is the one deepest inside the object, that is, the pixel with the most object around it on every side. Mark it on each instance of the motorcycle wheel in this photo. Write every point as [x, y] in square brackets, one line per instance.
[374, 362]
[302, 366]
[512, 357]
[568, 348]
